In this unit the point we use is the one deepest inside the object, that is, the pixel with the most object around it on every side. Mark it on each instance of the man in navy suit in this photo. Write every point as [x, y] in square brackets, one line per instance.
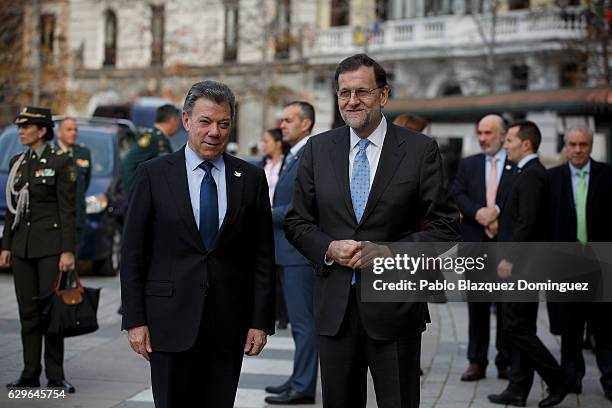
[481, 185]
[197, 265]
[296, 271]
[581, 200]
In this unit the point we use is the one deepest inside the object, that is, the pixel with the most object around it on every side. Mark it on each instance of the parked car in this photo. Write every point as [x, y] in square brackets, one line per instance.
[101, 248]
[142, 114]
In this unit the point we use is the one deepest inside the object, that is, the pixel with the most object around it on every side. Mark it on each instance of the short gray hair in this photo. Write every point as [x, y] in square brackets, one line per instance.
[581, 129]
[214, 91]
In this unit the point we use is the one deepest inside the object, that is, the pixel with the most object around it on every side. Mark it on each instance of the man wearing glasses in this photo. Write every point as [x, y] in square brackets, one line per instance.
[369, 181]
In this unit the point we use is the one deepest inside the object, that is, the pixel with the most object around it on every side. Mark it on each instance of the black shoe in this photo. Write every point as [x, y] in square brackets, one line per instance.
[278, 389]
[282, 325]
[508, 398]
[290, 397]
[24, 383]
[69, 388]
[608, 394]
[575, 388]
[554, 398]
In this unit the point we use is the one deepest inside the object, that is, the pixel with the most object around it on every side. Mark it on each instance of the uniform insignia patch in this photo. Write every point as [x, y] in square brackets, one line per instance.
[144, 141]
[82, 162]
[72, 174]
[44, 173]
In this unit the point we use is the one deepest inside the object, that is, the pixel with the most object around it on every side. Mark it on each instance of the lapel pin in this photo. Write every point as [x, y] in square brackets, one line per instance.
[43, 160]
[508, 167]
[237, 174]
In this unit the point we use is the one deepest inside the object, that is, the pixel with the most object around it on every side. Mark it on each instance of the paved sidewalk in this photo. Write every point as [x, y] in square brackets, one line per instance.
[107, 373]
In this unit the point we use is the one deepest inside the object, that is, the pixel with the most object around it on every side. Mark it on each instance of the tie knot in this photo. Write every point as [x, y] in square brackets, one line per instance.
[363, 143]
[581, 173]
[206, 166]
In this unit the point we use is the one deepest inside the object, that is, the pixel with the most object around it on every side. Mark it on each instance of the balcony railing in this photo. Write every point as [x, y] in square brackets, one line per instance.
[444, 32]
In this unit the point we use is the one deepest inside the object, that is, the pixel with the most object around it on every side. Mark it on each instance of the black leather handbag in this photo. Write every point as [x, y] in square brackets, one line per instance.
[69, 312]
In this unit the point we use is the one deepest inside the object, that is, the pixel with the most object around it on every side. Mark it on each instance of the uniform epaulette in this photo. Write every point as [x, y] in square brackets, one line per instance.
[144, 140]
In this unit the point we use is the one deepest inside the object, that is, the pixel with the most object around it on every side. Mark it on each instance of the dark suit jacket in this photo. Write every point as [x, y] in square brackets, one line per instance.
[81, 161]
[567, 316]
[49, 227]
[166, 272]
[470, 192]
[286, 254]
[409, 189]
[599, 203]
[524, 216]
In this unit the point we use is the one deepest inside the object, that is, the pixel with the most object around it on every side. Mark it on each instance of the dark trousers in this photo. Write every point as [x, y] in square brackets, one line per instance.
[527, 352]
[205, 376]
[298, 286]
[36, 277]
[280, 309]
[576, 316]
[479, 318]
[346, 357]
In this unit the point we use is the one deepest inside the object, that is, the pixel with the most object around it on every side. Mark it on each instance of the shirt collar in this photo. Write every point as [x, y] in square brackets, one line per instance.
[296, 147]
[376, 137]
[574, 170]
[526, 160]
[500, 156]
[39, 152]
[193, 160]
[62, 146]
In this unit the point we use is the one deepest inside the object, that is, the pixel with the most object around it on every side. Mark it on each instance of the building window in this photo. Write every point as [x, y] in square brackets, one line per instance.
[572, 75]
[47, 33]
[110, 38]
[339, 13]
[157, 35]
[519, 77]
[475, 6]
[231, 32]
[518, 4]
[382, 9]
[282, 38]
[438, 7]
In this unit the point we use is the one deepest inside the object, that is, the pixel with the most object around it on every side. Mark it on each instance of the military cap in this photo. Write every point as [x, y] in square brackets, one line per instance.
[31, 115]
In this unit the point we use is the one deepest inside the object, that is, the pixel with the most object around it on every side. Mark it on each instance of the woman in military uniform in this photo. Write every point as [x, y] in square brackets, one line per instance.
[39, 239]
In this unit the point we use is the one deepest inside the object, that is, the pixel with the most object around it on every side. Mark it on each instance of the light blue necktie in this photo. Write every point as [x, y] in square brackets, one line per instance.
[209, 207]
[360, 184]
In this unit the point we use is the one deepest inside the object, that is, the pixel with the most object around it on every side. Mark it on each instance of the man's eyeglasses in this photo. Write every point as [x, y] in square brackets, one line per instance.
[361, 93]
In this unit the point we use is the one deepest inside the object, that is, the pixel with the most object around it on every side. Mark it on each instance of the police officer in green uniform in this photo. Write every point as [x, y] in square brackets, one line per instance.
[152, 143]
[66, 141]
[39, 239]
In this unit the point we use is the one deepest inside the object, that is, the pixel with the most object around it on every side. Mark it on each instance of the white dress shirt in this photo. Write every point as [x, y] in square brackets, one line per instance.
[376, 138]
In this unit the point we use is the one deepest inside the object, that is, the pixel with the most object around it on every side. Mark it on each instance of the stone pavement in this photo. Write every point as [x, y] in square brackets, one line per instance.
[107, 373]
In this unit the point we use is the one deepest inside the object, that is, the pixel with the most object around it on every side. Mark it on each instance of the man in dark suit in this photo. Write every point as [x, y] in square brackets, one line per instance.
[524, 218]
[296, 271]
[197, 274]
[480, 187]
[581, 194]
[368, 181]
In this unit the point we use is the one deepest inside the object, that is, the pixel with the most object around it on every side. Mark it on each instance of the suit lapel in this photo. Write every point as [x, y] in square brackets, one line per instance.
[566, 188]
[481, 179]
[594, 179]
[176, 177]
[288, 164]
[338, 155]
[234, 185]
[390, 157]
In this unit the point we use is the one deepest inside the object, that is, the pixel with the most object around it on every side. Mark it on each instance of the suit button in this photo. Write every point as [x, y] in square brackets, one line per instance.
[28, 223]
[44, 181]
[54, 225]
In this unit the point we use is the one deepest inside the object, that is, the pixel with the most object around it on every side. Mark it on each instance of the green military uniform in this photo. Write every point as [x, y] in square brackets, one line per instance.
[45, 228]
[81, 161]
[151, 144]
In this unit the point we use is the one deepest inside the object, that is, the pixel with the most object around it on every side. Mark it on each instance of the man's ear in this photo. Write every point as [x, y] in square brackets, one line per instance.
[185, 119]
[306, 124]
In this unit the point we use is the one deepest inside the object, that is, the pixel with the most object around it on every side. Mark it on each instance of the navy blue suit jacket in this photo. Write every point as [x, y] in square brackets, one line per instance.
[286, 254]
[470, 192]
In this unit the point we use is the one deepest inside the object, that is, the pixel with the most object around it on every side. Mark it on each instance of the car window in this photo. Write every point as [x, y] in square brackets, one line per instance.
[99, 143]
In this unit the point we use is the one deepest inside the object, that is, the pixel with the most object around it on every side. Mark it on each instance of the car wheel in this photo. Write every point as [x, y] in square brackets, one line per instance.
[110, 265]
